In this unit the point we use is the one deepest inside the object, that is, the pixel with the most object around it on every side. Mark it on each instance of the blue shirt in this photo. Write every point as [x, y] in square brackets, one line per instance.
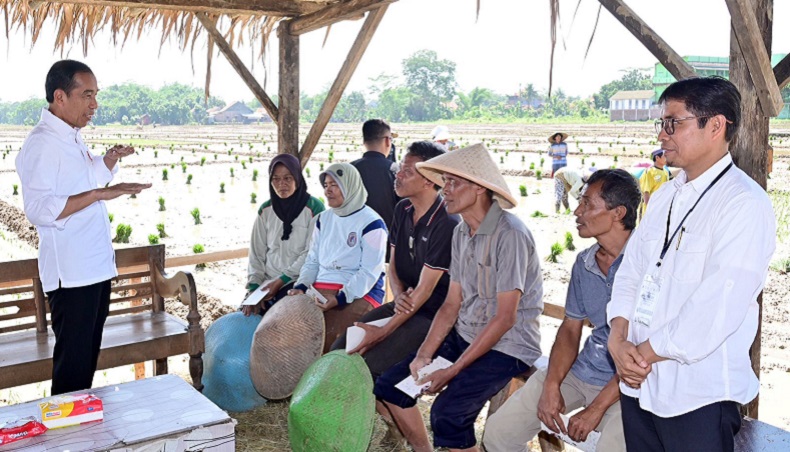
[588, 294]
[559, 150]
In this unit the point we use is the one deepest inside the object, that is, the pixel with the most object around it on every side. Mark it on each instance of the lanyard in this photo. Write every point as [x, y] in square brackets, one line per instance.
[667, 238]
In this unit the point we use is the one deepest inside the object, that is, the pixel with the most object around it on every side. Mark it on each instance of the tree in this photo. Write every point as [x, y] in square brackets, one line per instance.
[432, 81]
[633, 80]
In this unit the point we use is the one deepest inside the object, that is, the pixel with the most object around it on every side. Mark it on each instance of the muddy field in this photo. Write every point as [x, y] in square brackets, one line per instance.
[230, 155]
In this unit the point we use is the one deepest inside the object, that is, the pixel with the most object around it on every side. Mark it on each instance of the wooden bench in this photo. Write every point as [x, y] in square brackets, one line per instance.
[137, 330]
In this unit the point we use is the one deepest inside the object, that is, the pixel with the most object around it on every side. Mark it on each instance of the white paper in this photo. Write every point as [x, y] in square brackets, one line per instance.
[315, 294]
[256, 295]
[587, 446]
[355, 334]
[409, 385]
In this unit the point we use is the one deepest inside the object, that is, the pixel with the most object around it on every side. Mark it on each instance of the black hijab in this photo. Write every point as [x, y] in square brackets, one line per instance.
[287, 209]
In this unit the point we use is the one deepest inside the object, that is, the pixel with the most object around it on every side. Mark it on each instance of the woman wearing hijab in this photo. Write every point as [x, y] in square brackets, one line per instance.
[281, 234]
[346, 259]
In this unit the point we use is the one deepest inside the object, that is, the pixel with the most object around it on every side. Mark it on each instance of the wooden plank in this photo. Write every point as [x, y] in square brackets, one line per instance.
[782, 72]
[749, 35]
[341, 81]
[124, 273]
[142, 286]
[132, 310]
[16, 290]
[333, 13]
[23, 270]
[134, 256]
[671, 60]
[204, 258]
[20, 327]
[288, 120]
[287, 8]
[237, 64]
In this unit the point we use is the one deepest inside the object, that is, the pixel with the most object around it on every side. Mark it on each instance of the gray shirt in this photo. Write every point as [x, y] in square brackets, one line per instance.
[588, 294]
[500, 257]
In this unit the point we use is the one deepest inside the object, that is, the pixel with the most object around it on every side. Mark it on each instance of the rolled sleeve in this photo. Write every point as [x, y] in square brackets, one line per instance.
[38, 169]
[741, 253]
[103, 174]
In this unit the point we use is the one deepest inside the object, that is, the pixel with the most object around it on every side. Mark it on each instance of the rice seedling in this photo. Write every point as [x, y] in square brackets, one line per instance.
[569, 241]
[160, 228]
[307, 171]
[189, 179]
[164, 174]
[523, 190]
[162, 204]
[197, 249]
[202, 161]
[231, 173]
[184, 168]
[110, 217]
[16, 189]
[243, 164]
[532, 165]
[153, 239]
[222, 187]
[195, 215]
[538, 214]
[122, 233]
[554, 254]
[539, 174]
[253, 198]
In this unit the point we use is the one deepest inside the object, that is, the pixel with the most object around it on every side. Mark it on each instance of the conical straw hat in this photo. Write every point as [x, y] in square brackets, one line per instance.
[473, 163]
[562, 134]
[287, 341]
[333, 407]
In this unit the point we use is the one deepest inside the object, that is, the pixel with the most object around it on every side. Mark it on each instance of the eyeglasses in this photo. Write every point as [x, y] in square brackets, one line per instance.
[668, 124]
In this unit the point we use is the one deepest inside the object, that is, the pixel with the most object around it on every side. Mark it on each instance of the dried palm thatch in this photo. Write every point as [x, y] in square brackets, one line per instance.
[79, 24]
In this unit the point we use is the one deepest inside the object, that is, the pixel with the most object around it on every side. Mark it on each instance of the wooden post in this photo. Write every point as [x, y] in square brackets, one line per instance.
[750, 149]
[674, 63]
[288, 121]
[332, 14]
[751, 42]
[240, 68]
[341, 81]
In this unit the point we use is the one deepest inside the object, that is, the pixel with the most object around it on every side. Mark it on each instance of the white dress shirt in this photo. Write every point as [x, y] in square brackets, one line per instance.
[54, 164]
[706, 312]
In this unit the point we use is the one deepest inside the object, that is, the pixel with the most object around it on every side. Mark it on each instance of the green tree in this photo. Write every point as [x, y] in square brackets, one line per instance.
[432, 81]
[633, 80]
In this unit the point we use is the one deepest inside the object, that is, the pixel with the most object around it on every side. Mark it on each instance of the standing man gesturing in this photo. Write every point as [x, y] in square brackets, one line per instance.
[684, 309]
[63, 198]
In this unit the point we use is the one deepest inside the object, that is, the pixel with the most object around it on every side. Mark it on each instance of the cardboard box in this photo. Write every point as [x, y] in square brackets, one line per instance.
[71, 410]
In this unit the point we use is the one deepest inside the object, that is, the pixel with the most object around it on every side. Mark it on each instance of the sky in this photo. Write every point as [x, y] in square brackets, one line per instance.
[508, 46]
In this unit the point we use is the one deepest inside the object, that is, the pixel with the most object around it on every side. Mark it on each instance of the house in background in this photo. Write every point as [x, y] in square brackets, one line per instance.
[633, 106]
[231, 113]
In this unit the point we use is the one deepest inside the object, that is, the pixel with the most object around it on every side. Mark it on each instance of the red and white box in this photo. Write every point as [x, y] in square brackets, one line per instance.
[71, 410]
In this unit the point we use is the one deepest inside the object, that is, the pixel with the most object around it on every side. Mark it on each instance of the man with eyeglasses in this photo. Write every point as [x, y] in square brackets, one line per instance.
[377, 171]
[684, 309]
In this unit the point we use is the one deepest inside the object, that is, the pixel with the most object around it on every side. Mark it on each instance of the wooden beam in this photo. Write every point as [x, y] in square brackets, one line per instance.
[341, 81]
[750, 149]
[782, 72]
[750, 39]
[288, 121]
[286, 8]
[671, 60]
[240, 68]
[334, 13]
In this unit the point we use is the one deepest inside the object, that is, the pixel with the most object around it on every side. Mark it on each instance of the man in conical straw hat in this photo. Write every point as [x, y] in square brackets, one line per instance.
[488, 325]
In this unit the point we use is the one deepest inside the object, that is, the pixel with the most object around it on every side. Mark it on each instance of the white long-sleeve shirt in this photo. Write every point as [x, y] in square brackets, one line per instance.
[706, 312]
[55, 163]
[349, 252]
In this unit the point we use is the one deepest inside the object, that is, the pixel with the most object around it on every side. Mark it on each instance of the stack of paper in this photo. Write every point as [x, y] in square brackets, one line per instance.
[588, 445]
[409, 385]
[355, 334]
[256, 296]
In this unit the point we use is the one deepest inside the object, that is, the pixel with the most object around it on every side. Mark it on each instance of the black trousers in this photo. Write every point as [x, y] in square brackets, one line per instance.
[710, 428]
[397, 346]
[78, 315]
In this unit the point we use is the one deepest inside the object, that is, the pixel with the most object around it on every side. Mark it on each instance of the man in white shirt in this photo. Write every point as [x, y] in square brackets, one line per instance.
[63, 197]
[684, 313]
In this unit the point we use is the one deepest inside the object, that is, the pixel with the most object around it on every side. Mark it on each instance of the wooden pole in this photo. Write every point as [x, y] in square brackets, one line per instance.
[288, 120]
[240, 68]
[334, 13]
[674, 63]
[341, 81]
[752, 45]
[750, 149]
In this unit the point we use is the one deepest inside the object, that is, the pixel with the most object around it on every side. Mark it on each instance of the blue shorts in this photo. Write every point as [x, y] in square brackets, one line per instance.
[455, 410]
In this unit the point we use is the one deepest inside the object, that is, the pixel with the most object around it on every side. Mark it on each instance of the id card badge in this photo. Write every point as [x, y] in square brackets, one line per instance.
[648, 297]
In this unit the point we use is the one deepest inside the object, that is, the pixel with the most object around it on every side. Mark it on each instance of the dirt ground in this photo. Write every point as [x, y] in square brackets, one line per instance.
[227, 222]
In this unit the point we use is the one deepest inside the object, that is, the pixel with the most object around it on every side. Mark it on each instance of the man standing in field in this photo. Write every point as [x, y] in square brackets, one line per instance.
[653, 178]
[63, 189]
[684, 309]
